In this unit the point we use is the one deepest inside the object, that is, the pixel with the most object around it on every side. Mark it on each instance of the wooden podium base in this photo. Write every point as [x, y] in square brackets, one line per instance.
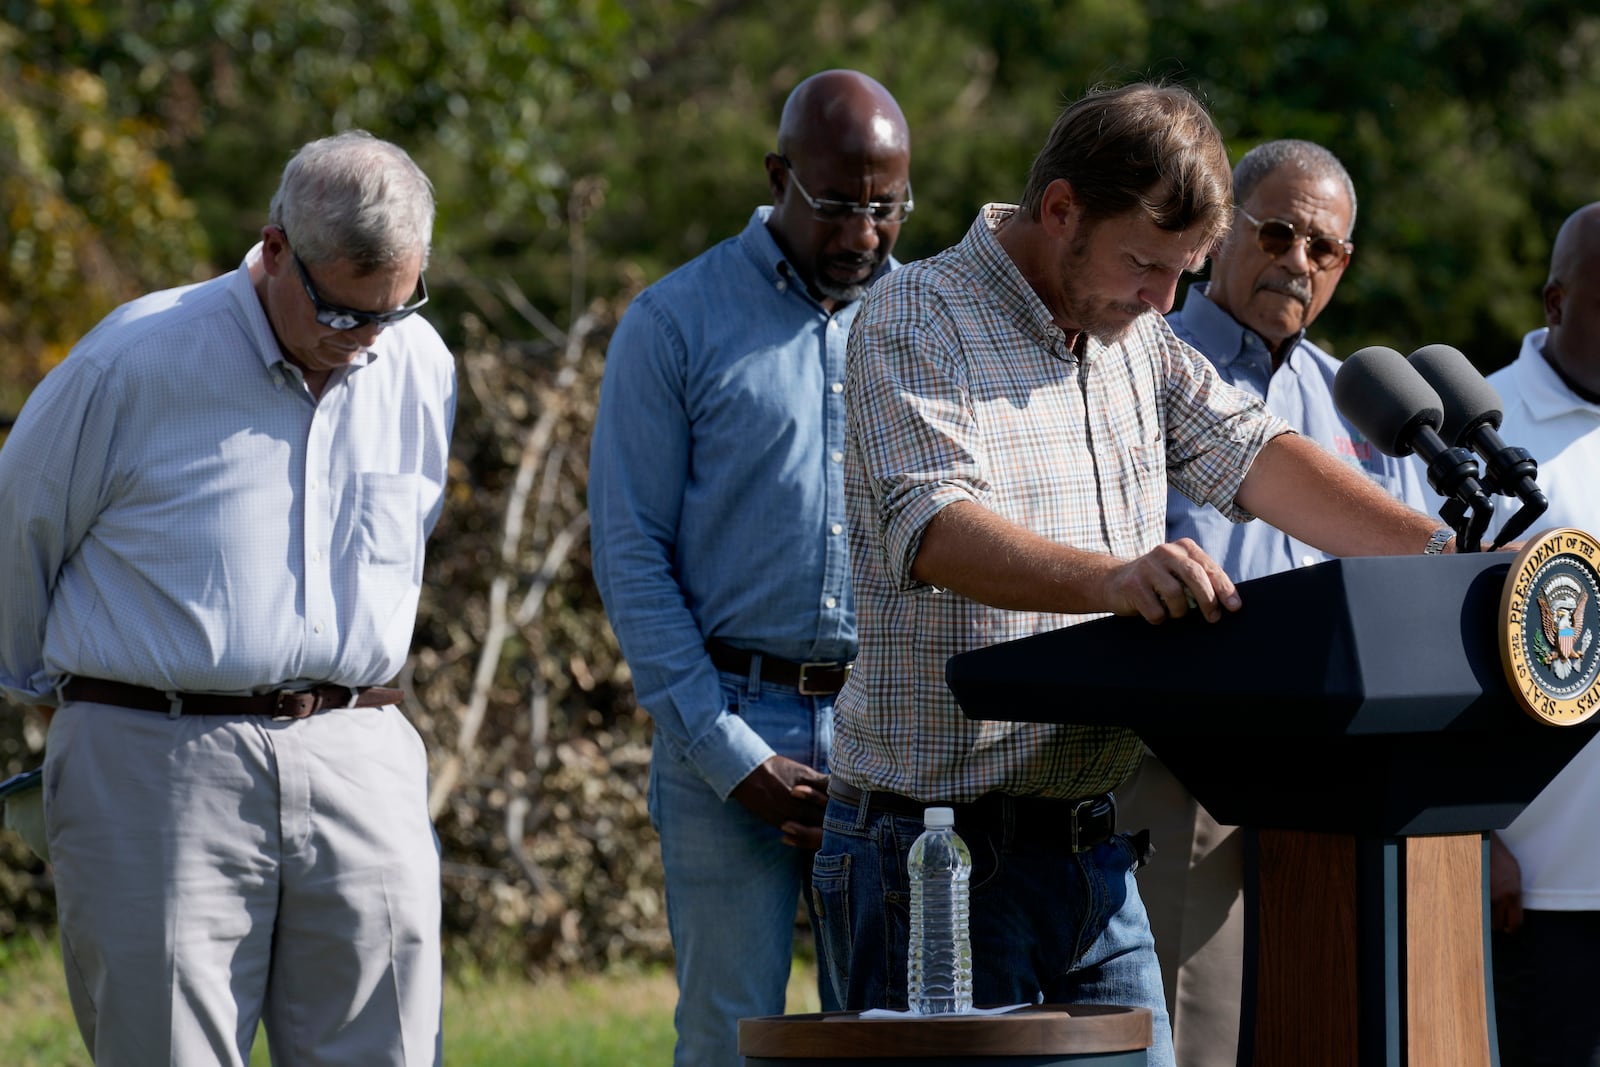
[1368, 951]
[1079, 1035]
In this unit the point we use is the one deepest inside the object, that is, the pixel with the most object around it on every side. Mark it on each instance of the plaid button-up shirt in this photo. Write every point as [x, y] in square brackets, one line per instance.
[960, 386]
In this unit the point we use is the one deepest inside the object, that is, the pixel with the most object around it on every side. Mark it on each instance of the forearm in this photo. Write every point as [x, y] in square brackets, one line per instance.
[970, 550]
[1314, 496]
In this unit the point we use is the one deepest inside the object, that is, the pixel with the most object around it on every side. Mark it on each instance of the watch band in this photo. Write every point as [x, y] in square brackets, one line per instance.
[1437, 540]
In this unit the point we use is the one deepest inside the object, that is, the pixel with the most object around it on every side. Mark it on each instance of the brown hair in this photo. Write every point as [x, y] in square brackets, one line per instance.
[1144, 147]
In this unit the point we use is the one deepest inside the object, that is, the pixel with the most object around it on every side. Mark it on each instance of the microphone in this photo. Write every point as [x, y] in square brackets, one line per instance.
[1394, 407]
[1472, 413]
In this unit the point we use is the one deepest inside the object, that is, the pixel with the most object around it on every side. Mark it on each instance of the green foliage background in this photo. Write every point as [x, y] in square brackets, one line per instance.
[581, 148]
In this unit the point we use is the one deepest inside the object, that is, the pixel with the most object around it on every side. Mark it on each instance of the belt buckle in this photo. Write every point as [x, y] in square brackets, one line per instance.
[820, 665]
[1077, 815]
[292, 704]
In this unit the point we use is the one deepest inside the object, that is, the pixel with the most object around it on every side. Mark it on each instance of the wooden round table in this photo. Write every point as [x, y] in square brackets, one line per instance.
[1049, 1035]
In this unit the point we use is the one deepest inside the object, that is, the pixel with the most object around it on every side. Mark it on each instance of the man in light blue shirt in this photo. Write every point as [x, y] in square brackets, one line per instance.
[212, 543]
[716, 495]
[1270, 279]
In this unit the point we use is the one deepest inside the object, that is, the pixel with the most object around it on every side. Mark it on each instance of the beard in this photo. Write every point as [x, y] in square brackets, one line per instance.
[1103, 319]
[843, 294]
[848, 292]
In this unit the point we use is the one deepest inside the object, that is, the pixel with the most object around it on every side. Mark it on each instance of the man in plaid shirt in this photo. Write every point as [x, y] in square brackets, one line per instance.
[1017, 407]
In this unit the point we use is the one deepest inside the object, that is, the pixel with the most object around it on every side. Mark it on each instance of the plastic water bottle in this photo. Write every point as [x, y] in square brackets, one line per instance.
[939, 967]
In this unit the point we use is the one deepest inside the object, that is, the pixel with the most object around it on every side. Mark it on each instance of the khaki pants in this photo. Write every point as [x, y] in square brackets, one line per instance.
[1193, 892]
[216, 872]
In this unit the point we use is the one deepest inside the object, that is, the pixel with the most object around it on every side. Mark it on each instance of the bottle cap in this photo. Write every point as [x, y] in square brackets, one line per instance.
[939, 818]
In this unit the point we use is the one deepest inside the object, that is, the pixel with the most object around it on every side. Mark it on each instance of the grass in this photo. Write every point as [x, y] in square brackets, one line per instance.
[622, 1017]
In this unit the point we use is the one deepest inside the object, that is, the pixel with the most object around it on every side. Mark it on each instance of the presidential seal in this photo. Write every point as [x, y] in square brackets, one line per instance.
[1546, 635]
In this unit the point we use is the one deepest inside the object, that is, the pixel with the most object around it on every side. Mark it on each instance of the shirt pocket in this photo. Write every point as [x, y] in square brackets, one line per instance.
[388, 517]
[1141, 492]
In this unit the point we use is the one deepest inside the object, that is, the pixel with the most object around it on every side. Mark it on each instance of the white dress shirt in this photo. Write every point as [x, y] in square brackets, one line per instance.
[177, 512]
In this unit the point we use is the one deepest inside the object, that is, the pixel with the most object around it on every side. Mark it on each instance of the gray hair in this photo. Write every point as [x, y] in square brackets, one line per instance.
[1308, 156]
[354, 197]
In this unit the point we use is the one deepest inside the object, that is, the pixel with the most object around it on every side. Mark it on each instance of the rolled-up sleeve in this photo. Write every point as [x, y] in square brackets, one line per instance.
[1214, 431]
[913, 429]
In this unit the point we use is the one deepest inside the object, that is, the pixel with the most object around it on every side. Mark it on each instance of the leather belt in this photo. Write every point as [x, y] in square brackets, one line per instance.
[810, 679]
[283, 704]
[1084, 823]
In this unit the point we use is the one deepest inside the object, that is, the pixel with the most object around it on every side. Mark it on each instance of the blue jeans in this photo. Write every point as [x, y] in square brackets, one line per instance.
[1048, 925]
[733, 886]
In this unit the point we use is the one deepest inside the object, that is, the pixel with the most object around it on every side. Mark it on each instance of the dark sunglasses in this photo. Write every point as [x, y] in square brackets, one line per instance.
[343, 318]
[1276, 237]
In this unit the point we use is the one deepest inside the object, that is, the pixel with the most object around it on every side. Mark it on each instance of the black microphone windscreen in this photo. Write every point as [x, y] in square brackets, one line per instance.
[1385, 398]
[1469, 401]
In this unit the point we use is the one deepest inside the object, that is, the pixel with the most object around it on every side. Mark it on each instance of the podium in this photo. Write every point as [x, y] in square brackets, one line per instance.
[1355, 715]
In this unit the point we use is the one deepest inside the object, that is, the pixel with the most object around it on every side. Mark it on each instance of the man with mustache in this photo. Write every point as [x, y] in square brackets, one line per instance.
[717, 498]
[1017, 407]
[1271, 276]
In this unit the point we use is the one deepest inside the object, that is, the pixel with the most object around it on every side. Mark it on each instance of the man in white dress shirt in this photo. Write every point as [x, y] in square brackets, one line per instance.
[212, 538]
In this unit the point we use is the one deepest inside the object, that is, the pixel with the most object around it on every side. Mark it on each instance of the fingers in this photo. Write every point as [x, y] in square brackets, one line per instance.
[1172, 580]
[800, 835]
[810, 794]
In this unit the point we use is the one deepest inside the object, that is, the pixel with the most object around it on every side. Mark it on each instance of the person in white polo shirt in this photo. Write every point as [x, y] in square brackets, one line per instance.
[1545, 866]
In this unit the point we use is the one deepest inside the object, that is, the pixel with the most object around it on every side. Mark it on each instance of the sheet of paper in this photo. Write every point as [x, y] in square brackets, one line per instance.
[885, 1013]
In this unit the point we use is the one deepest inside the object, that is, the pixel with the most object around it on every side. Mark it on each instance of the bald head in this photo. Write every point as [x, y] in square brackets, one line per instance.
[840, 181]
[1577, 243]
[845, 110]
[1572, 299]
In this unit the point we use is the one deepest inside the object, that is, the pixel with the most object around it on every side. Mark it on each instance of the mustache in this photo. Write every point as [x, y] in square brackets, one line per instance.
[1295, 285]
[853, 263]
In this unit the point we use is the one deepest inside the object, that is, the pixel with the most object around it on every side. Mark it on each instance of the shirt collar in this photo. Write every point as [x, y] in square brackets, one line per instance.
[999, 275]
[764, 251]
[254, 315]
[260, 327]
[1224, 339]
[1540, 387]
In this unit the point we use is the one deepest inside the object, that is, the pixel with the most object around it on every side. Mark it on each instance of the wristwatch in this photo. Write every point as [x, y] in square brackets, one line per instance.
[1437, 540]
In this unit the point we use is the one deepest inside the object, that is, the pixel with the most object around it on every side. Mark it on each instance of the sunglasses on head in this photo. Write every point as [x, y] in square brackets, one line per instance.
[1276, 237]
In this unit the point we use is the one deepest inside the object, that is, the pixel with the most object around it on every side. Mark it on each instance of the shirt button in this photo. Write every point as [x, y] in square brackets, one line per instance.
[317, 628]
[1308, 561]
[837, 457]
[838, 387]
[836, 528]
[830, 603]
[316, 557]
[783, 287]
[315, 484]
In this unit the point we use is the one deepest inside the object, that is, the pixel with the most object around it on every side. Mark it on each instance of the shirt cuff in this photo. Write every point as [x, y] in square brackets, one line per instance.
[728, 753]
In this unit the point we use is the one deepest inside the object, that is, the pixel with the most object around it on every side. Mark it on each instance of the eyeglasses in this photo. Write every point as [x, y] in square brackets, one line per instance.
[880, 212]
[1276, 237]
[343, 318]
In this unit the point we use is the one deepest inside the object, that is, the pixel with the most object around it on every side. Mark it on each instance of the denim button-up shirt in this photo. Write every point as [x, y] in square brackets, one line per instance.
[716, 489]
[1301, 393]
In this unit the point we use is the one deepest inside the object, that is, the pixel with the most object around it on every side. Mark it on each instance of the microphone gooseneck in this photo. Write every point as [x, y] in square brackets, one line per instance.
[1395, 407]
[1472, 413]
